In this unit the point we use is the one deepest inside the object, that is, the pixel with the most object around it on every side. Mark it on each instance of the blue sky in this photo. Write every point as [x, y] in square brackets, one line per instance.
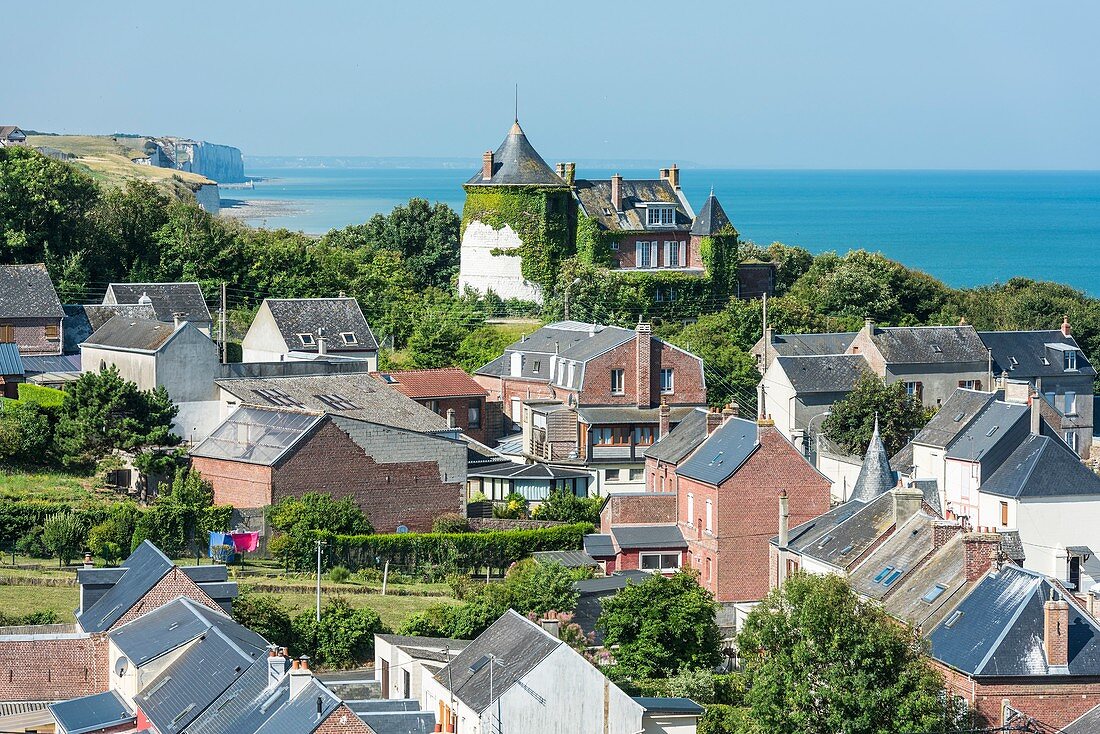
[838, 84]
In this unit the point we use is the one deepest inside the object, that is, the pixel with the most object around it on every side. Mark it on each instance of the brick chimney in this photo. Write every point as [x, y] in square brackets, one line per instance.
[664, 413]
[570, 173]
[617, 192]
[674, 176]
[979, 551]
[943, 532]
[869, 325]
[907, 502]
[664, 174]
[1017, 391]
[1056, 633]
[1065, 326]
[486, 165]
[1036, 416]
[728, 412]
[559, 168]
[643, 339]
[714, 419]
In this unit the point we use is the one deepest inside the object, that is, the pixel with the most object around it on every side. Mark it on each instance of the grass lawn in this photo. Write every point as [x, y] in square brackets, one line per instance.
[53, 486]
[393, 610]
[19, 600]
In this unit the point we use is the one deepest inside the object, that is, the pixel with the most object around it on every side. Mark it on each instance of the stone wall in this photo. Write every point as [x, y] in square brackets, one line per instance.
[483, 270]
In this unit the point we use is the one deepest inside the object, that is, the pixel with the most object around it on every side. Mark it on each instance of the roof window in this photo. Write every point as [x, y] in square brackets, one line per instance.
[991, 431]
[934, 593]
[348, 337]
[953, 618]
[893, 577]
[825, 541]
[277, 397]
[717, 460]
[937, 349]
[336, 401]
[959, 416]
[883, 574]
[846, 549]
[307, 339]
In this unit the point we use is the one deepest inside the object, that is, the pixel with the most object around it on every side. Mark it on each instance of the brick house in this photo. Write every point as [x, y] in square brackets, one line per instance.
[452, 393]
[638, 532]
[399, 478]
[30, 311]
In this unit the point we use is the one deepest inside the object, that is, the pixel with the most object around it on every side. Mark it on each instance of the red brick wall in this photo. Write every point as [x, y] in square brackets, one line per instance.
[626, 255]
[30, 335]
[461, 406]
[745, 515]
[174, 585]
[39, 669]
[627, 509]
[695, 254]
[408, 493]
[235, 482]
[687, 377]
[863, 345]
[342, 721]
[524, 390]
[631, 560]
[660, 476]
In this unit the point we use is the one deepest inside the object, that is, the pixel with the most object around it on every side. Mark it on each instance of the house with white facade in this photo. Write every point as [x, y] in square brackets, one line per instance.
[287, 329]
[170, 301]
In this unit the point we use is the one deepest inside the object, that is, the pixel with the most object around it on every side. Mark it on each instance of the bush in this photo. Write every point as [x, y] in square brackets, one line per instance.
[339, 574]
[697, 684]
[514, 507]
[31, 544]
[567, 507]
[451, 522]
[343, 638]
[63, 534]
[540, 587]
[266, 615]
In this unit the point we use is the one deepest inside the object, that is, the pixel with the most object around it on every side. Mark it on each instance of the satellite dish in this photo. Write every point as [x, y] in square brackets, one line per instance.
[402, 529]
[121, 666]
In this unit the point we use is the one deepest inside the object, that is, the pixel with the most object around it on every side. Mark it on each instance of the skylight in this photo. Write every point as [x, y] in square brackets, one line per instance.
[277, 397]
[307, 339]
[934, 593]
[825, 541]
[336, 401]
[717, 460]
[959, 416]
[992, 430]
[883, 574]
[893, 577]
[349, 337]
[846, 549]
[936, 348]
[953, 619]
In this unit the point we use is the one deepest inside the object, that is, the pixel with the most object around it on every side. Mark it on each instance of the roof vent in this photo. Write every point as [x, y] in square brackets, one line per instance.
[145, 300]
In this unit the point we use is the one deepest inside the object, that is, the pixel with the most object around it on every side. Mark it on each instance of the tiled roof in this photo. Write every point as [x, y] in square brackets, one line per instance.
[599, 545]
[595, 199]
[167, 299]
[1024, 355]
[712, 219]
[26, 291]
[139, 335]
[929, 344]
[1087, 723]
[953, 417]
[722, 453]
[337, 316]
[823, 373]
[438, 383]
[516, 163]
[1042, 467]
[539, 346]
[801, 345]
[174, 624]
[630, 414]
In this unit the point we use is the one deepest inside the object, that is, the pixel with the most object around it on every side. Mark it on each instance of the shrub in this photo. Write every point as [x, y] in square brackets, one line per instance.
[63, 534]
[567, 507]
[514, 507]
[31, 544]
[339, 574]
[343, 638]
[266, 615]
[451, 522]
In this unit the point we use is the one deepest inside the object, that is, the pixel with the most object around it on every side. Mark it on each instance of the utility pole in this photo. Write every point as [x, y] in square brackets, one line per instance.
[567, 289]
[319, 544]
[225, 340]
[763, 407]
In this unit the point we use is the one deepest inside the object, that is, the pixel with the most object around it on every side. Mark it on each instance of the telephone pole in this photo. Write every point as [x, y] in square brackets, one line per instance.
[225, 339]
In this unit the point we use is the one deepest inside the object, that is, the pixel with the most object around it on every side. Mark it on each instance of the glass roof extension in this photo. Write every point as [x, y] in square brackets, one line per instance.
[256, 435]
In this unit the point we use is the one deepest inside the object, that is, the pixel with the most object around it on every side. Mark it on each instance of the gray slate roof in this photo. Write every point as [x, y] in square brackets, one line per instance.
[1021, 353]
[647, 537]
[712, 218]
[875, 475]
[1042, 467]
[363, 397]
[567, 558]
[630, 414]
[399, 722]
[823, 373]
[517, 644]
[1088, 723]
[992, 435]
[953, 417]
[843, 533]
[82, 320]
[795, 345]
[26, 291]
[1013, 546]
[669, 705]
[946, 569]
[296, 316]
[595, 199]
[722, 453]
[167, 299]
[997, 630]
[141, 335]
[929, 344]
[10, 362]
[902, 552]
[92, 713]
[902, 462]
[517, 163]
[557, 337]
[599, 545]
[681, 440]
[144, 568]
[40, 363]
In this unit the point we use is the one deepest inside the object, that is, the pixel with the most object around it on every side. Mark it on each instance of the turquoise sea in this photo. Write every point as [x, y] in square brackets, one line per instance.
[964, 227]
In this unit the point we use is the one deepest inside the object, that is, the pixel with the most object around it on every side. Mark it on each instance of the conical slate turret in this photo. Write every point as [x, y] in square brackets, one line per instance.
[875, 476]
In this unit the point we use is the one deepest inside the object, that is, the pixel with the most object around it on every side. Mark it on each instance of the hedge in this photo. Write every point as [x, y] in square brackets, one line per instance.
[19, 517]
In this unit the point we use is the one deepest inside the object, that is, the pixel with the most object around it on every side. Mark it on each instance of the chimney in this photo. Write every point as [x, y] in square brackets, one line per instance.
[178, 320]
[550, 626]
[869, 325]
[617, 192]
[1036, 402]
[663, 415]
[486, 165]
[784, 519]
[769, 335]
[979, 549]
[1065, 326]
[1017, 391]
[88, 560]
[570, 173]
[277, 665]
[451, 423]
[1056, 633]
[907, 502]
[322, 342]
[300, 676]
[714, 419]
[664, 174]
[559, 168]
[674, 176]
[643, 338]
[1093, 606]
[728, 412]
[943, 532]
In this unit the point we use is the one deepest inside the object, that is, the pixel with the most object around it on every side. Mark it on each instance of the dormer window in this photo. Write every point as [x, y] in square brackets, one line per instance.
[349, 338]
[660, 216]
[1069, 360]
[307, 339]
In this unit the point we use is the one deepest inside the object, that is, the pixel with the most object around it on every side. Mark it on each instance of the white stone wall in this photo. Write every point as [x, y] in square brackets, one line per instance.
[483, 271]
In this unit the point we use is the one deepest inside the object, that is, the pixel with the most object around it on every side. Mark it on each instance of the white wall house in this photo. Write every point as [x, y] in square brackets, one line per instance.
[400, 662]
[289, 328]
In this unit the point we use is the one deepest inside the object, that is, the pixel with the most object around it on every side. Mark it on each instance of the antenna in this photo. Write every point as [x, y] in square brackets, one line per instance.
[517, 102]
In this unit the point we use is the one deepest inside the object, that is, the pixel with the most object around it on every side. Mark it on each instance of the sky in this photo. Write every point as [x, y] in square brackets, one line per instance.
[842, 84]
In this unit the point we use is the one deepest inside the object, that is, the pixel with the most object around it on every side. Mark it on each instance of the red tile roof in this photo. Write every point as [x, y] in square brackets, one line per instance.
[441, 383]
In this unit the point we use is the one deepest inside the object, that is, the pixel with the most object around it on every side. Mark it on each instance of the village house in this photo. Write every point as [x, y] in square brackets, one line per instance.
[11, 370]
[453, 394]
[30, 311]
[401, 479]
[308, 328]
[400, 663]
[170, 301]
[772, 345]
[11, 135]
[799, 391]
[535, 482]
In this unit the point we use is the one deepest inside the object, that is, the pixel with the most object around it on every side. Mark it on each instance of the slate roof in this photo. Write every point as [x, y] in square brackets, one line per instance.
[380, 705]
[517, 644]
[712, 218]
[630, 414]
[823, 373]
[599, 545]
[554, 338]
[567, 558]
[167, 299]
[144, 568]
[11, 363]
[92, 713]
[669, 705]
[1012, 545]
[595, 200]
[681, 440]
[842, 534]
[992, 435]
[82, 320]
[257, 435]
[26, 291]
[930, 488]
[929, 344]
[997, 630]
[355, 395]
[134, 335]
[1042, 467]
[1021, 353]
[517, 163]
[439, 383]
[903, 462]
[528, 471]
[953, 417]
[294, 316]
[909, 598]
[875, 475]
[1087, 723]
[899, 554]
[399, 722]
[798, 345]
[722, 453]
[646, 537]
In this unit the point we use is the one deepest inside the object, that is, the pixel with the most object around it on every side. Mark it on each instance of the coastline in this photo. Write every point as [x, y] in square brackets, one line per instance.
[249, 210]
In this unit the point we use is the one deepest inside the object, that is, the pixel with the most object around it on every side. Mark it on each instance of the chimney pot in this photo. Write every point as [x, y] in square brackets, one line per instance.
[178, 320]
[88, 560]
[451, 422]
[294, 665]
[714, 419]
[617, 192]
[305, 662]
[1066, 331]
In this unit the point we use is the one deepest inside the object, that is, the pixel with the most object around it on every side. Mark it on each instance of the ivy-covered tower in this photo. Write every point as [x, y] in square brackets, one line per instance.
[714, 237]
[517, 224]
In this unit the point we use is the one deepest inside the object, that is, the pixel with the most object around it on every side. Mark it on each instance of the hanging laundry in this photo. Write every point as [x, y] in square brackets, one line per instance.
[218, 545]
[245, 542]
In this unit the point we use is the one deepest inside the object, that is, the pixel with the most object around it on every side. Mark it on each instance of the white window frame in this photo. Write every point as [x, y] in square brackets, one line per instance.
[710, 518]
[307, 339]
[1069, 402]
[349, 338]
[647, 247]
[661, 558]
[631, 473]
[1071, 440]
[966, 384]
[1069, 360]
[672, 254]
[621, 389]
[671, 387]
[607, 476]
[911, 389]
[572, 372]
[691, 510]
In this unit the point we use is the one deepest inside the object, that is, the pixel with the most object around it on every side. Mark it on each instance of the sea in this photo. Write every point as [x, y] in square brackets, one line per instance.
[966, 228]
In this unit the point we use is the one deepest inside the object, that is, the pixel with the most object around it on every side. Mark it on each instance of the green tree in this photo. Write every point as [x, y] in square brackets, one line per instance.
[426, 236]
[819, 660]
[111, 539]
[26, 433]
[435, 339]
[318, 511]
[266, 615]
[63, 534]
[538, 588]
[481, 346]
[343, 638]
[567, 507]
[852, 420]
[660, 626]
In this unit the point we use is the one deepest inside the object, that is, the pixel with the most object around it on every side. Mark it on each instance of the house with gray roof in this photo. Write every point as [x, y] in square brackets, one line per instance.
[299, 328]
[12, 135]
[799, 390]
[519, 676]
[30, 311]
[798, 345]
[401, 662]
[171, 302]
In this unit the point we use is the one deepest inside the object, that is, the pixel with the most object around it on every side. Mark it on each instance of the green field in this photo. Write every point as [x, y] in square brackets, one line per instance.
[57, 487]
[19, 600]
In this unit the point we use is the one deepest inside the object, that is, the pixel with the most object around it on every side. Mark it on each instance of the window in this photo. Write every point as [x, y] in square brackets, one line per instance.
[660, 216]
[53, 331]
[643, 254]
[1004, 514]
[572, 373]
[883, 574]
[1070, 403]
[349, 338]
[914, 389]
[432, 405]
[691, 509]
[601, 436]
[953, 619]
[637, 475]
[710, 516]
[893, 577]
[668, 381]
[277, 397]
[611, 475]
[618, 382]
[614, 244]
[1069, 360]
[933, 593]
[473, 414]
[7, 333]
[968, 384]
[659, 562]
[307, 340]
[710, 570]
[336, 401]
[1071, 440]
[672, 254]
[643, 435]
[537, 368]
